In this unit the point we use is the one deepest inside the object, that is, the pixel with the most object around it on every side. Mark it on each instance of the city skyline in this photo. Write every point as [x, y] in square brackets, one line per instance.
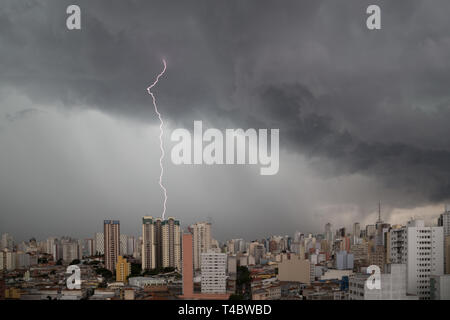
[411, 262]
[335, 228]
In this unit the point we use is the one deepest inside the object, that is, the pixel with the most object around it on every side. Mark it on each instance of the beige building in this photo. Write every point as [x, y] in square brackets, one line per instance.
[161, 243]
[148, 243]
[171, 243]
[201, 232]
[293, 268]
[112, 243]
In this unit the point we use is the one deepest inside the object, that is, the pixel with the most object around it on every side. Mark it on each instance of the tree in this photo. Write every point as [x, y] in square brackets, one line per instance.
[151, 272]
[105, 273]
[243, 281]
[75, 261]
[136, 269]
[243, 276]
[168, 269]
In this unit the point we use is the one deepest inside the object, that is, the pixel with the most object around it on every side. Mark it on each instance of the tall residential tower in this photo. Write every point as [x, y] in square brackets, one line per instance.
[111, 231]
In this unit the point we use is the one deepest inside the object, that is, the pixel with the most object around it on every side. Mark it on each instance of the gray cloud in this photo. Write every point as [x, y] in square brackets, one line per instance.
[363, 115]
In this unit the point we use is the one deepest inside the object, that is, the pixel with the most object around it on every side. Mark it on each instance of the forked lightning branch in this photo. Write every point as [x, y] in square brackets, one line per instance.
[241, 147]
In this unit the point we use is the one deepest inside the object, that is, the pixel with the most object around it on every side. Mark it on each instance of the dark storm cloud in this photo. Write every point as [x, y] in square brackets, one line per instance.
[419, 173]
[353, 101]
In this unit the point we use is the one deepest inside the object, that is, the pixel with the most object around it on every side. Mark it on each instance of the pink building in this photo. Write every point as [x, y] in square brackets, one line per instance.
[188, 274]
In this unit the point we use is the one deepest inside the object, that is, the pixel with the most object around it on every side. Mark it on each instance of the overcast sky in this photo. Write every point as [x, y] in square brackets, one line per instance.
[363, 115]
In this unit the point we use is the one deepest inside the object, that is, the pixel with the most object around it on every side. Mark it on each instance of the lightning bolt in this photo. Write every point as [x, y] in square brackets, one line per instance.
[161, 132]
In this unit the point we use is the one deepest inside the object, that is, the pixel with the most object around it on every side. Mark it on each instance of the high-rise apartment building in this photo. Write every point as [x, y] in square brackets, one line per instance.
[148, 243]
[111, 231]
[161, 243]
[158, 243]
[213, 272]
[421, 248]
[171, 243]
[202, 241]
[123, 269]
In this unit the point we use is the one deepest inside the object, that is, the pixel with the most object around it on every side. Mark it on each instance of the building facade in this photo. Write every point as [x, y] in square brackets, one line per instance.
[201, 233]
[171, 243]
[392, 286]
[111, 231]
[213, 272]
[148, 243]
[123, 269]
[421, 248]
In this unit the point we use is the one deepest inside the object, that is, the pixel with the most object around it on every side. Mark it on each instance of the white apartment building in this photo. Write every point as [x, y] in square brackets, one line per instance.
[421, 248]
[213, 272]
[393, 286]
